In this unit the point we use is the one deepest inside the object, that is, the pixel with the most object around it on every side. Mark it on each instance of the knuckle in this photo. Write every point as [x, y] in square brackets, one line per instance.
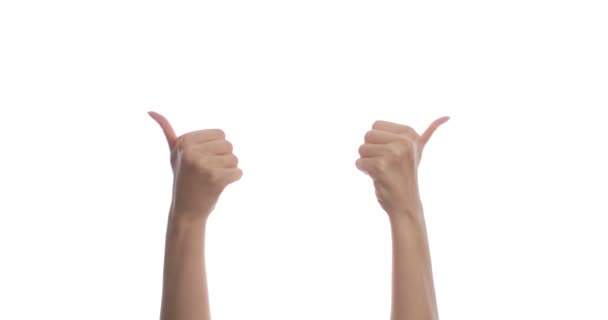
[228, 145]
[364, 165]
[406, 149]
[369, 135]
[395, 151]
[219, 132]
[215, 176]
[409, 130]
[362, 149]
[230, 160]
[379, 166]
[406, 142]
[239, 174]
[209, 134]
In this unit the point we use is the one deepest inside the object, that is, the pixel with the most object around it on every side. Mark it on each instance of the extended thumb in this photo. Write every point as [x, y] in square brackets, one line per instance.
[166, 126]
[424, 138]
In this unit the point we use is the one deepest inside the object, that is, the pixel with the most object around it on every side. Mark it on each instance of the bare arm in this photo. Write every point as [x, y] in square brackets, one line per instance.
[203, 165]
[390, 156]
[185, 294]
[413, 290]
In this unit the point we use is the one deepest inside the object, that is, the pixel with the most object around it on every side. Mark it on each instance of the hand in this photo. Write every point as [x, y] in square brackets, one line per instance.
[203, 165]
[390, 156]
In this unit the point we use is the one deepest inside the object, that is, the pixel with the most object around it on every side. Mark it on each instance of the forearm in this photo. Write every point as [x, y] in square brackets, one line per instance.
[413, 291]
[185, 295]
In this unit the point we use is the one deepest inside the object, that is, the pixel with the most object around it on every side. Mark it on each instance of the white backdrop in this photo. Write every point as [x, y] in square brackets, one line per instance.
[514, 185]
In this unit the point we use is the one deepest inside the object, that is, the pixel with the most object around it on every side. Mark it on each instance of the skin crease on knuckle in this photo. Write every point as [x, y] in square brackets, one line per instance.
[405, 148]
[221, 147]
[395, 153]
[410, 133]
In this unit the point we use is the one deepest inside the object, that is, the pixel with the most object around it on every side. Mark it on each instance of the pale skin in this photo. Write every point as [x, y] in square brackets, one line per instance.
[204, 165]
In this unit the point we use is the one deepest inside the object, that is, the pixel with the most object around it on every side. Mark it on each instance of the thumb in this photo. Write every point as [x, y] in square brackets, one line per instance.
[424, 138]
[166, 126]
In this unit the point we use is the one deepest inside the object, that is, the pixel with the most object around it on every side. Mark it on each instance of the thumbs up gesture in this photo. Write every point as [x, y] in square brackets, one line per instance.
[203, 165]
[390, 156]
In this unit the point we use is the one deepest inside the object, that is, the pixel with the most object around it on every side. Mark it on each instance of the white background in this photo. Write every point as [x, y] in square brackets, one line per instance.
[514, 185]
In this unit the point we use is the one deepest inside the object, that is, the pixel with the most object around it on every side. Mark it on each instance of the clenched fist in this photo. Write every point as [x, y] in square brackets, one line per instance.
[203, 165]
[390, 156]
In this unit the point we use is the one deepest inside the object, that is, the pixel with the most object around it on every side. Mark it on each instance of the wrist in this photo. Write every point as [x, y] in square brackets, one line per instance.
[184, 208]
[409, 207]
[185, 218]
[411, 216]
[409, 228]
